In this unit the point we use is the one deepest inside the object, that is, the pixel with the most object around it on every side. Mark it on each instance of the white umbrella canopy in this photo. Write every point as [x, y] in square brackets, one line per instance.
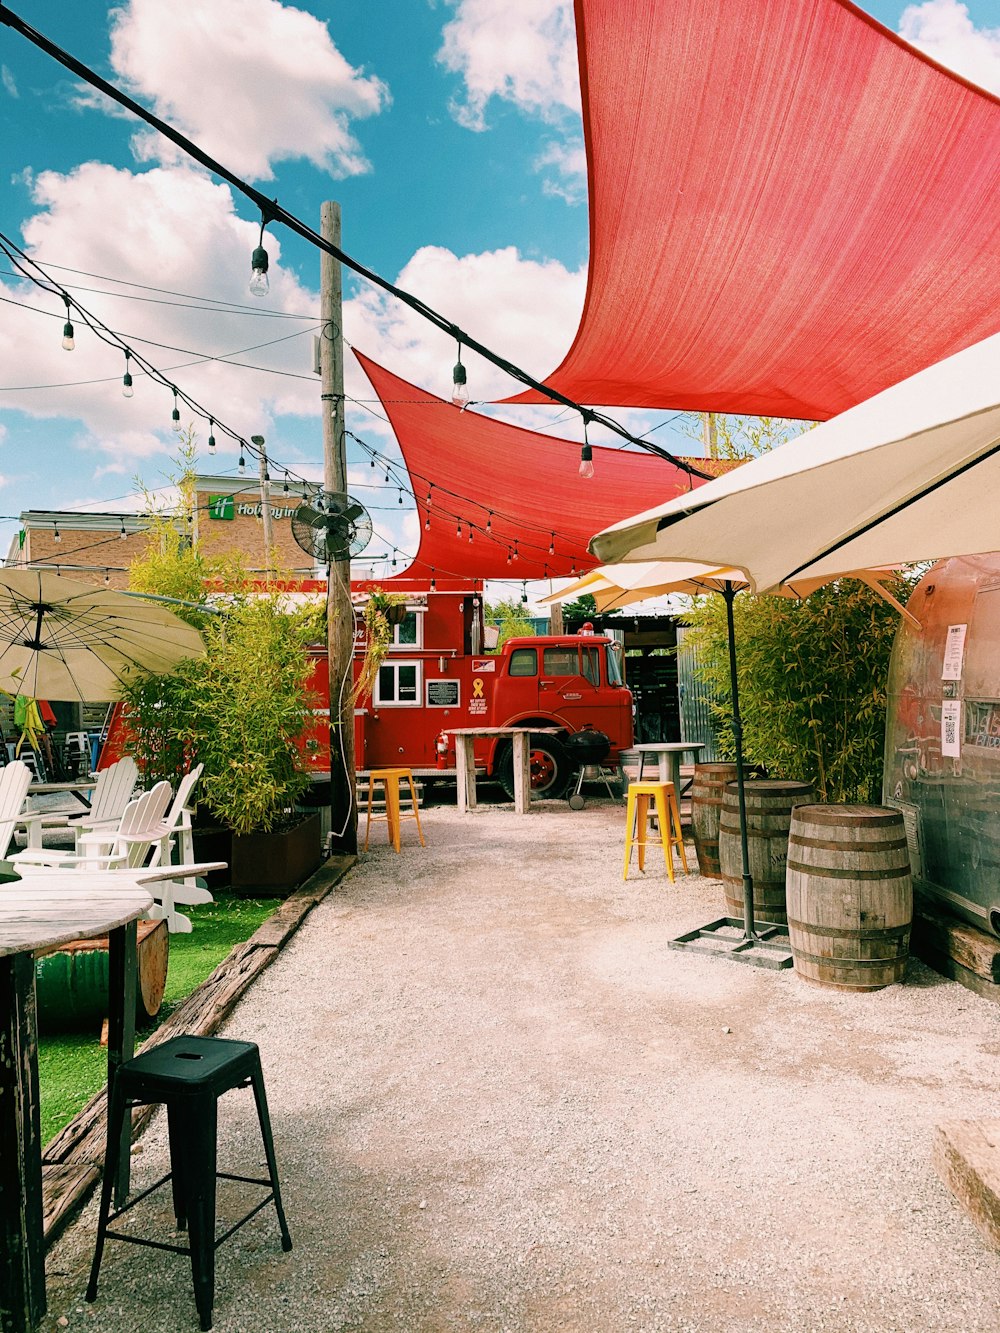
[61, 639]
[909, 475]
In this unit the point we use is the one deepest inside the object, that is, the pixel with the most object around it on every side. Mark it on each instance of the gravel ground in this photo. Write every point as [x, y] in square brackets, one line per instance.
[501, 1102]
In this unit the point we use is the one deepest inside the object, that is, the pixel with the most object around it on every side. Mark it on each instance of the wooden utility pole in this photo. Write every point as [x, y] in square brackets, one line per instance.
[265, 503]
[339, 612]
[710, 435]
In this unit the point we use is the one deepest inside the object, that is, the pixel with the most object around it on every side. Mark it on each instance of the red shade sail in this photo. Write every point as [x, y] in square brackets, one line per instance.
[790, 208]
[518, 493]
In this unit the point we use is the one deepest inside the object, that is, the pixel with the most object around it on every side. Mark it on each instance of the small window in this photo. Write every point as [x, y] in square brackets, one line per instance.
[590, 665]
[398, 684]
[406, 634]
[524, 662]
[614, 664]
[561, 662]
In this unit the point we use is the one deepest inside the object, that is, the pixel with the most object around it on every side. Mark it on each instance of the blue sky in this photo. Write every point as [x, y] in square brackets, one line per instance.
[449, 132]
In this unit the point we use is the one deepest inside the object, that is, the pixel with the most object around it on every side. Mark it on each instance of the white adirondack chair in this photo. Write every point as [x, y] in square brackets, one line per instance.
[114, 789]
[140, 829]
[184, 890]
[14, 781]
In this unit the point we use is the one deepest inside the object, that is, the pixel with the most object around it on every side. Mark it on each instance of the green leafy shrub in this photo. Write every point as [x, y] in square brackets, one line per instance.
[812, 681]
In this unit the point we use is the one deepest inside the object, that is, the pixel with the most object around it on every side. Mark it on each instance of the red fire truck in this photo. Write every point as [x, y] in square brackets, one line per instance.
[439, 675]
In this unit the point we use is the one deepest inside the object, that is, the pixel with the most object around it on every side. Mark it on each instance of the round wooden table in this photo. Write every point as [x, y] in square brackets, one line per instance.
[41, 910]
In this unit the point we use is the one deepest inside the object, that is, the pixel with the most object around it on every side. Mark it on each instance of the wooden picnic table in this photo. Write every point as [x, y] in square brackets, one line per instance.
[48, 909]
[465, 763]
[75, 788]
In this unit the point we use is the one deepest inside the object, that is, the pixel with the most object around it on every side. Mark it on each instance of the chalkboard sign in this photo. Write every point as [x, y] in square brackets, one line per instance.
[442, 694]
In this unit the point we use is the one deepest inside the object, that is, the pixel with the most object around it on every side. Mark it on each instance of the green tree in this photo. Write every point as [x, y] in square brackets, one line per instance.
[812, 680]
[510, 619]
[737, 438]
[584, 607]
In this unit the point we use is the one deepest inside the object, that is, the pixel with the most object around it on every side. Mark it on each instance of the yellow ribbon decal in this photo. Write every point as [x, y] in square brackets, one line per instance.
[477, 688]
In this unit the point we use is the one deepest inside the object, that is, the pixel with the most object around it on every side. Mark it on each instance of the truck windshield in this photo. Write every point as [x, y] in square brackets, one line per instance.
[614, 665]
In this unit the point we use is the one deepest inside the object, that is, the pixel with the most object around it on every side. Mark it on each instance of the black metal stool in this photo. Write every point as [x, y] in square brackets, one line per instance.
[189, 1075]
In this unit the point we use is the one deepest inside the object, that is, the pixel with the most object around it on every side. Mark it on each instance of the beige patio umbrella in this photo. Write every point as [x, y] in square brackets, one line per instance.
[909, 475]
[61, 639]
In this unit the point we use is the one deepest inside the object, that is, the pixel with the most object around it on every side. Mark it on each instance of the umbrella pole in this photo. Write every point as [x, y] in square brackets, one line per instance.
[729, 937]
[729, 596]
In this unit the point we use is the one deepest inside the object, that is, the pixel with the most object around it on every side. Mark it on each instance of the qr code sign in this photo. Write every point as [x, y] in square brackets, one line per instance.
[950, 730]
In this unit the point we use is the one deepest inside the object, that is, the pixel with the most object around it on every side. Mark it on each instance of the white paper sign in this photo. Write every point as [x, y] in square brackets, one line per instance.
[954, 651]
[951, 717]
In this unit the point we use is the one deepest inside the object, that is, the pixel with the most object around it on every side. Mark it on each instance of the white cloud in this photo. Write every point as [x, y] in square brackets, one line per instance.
[568, 177]
[8, 81]
[251, 81]
[523, 51]
[172, 228]
[944, 30]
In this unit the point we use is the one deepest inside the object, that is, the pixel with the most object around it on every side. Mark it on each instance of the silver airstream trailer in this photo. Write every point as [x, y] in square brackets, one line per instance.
[942, 754]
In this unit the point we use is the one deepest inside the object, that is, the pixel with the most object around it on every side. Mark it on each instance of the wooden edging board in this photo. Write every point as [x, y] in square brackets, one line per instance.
[72, 1161]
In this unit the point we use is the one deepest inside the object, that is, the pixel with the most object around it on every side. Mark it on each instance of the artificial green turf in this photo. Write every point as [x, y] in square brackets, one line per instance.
[73, 1066]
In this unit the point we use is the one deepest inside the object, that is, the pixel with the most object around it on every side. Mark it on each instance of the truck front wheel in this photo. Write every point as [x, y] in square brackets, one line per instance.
[548, 762]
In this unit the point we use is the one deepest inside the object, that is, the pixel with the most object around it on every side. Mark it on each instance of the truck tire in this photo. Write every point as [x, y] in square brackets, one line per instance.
[549, 764]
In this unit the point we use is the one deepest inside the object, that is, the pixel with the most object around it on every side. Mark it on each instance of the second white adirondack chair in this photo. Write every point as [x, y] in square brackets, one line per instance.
[185, 891]
[112, 793]
[14, 780]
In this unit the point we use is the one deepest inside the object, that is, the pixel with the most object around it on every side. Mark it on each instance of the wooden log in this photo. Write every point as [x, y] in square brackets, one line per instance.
[966, 1156]
[64, 1188]
[972, 949]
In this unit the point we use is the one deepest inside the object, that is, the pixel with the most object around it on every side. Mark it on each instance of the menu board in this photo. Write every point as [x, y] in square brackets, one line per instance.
[442, 693]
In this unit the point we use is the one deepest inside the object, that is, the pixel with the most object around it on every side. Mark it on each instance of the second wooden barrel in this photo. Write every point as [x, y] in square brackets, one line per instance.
[850, 895]
[770, 802]
[707, 791]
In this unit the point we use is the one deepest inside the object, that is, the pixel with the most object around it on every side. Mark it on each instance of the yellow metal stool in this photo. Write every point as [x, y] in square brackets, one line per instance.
[668, 817]
[390, 779]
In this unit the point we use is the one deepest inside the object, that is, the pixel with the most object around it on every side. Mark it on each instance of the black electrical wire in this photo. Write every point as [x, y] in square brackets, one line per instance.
[271, 211]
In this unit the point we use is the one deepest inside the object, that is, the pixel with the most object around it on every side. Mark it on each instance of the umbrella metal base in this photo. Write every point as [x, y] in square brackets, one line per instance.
[727, 938]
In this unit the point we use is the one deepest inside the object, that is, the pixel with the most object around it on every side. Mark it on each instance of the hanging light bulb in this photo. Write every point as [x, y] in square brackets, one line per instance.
[586, 454]
[285, 488]
[430, 496]
[56, 534]
[552, 545]
[489, 522]
[458, 530]
[433, 582]
[107, 578]
[515, 550]
[459, 391]
[211, 435]
[470, 534]
[241, 467]
[427, 523]
[259, 285]
[400, 495]
[127, 390]
[524, 593]
[175, 415]
[373, 460]
[123, 534]
[68, 340]
[509, 556]
[394, 557]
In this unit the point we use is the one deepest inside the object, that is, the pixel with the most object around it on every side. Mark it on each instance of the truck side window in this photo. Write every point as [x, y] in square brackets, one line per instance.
[398, 683]
[561, 662]
[524, 662]
[614, 664]
[590, 665]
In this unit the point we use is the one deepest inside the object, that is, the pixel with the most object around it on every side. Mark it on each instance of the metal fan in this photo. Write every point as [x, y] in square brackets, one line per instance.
[332, 525]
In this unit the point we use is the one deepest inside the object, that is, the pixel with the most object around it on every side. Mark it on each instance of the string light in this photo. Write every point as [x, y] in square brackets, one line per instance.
[470, 534]
[127, 390]
[123, 534]
[458, 530]
[68, 340]
[427, 523]
[489, 521]
[286, 488]
[373, 460]
[586, 454]
[509, 556]
[552, 545]
[241, 466]
[400, 495]
[107, 578]
[211, 436]
[515, 550]
[56, 534]
[175, 415]
[433, 581]
[259, 284]
[524, 593]
[459, 391]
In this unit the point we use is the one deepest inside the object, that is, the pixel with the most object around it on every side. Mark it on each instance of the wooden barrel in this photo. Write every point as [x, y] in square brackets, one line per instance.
[770, 802]
[71, 981]
[850, 895]
[707, 791]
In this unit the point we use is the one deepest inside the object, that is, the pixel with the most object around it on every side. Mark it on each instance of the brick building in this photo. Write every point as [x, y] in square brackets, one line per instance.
[99, 547]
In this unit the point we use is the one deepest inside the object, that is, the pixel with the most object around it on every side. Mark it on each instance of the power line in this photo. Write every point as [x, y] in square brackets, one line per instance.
[271, 211]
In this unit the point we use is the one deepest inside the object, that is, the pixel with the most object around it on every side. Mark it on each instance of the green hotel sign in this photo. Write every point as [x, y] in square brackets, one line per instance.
[225, 506]
[220, 506]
